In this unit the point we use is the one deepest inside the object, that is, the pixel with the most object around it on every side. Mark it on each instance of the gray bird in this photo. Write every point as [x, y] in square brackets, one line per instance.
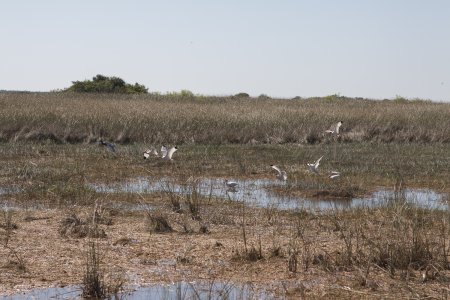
[110, 146]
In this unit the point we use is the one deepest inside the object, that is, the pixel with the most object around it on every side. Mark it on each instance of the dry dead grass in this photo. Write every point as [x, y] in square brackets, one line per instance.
[398, 251]
[394, 252]
[73, 118]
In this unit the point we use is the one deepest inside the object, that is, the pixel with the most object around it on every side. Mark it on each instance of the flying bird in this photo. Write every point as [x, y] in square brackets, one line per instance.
[167, 154]
[110, 146]
[150, 152]
[335, 128]
[313, 167]
[282, 175]
[334, 174]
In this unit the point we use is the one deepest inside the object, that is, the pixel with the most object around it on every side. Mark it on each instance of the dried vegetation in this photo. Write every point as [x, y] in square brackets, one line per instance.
[379, 252]
[177, 119]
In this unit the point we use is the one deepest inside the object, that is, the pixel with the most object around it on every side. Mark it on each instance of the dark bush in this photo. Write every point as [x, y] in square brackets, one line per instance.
[242, 95]
[103, 84]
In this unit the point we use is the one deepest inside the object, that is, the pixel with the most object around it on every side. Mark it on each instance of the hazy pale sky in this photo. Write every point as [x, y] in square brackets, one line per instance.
[372, 48]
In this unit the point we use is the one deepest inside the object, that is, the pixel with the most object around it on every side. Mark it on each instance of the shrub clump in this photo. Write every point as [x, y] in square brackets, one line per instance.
[104, 84]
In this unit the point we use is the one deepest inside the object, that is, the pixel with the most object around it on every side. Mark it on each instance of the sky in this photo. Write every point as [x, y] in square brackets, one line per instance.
[363, 48]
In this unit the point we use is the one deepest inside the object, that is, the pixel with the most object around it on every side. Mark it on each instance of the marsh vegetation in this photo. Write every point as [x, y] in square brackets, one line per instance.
[184, 118]
[56, 229]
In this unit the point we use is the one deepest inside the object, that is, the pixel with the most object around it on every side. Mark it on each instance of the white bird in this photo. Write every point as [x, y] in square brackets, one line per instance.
[313, 167]
[149, 152]
[163, 151]
[110, 146]
[282, 175]
[231, 184]
[335, 128]
[167, 155]
[334, 174]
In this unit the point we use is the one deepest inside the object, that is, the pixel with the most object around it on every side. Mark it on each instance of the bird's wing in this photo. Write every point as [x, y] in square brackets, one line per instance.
[338, 125]
[163, 151]
[316, 165]
[334, 176]
[171, 152]
[276, 169]
[329, 131]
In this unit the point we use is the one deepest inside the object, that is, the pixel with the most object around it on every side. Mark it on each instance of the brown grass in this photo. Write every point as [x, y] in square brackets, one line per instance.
[397, 250]
[73, 118]
[389, 251]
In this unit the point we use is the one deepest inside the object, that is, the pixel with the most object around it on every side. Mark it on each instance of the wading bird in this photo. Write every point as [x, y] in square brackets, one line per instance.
[313, 167]
[231, 184]
[110, 146]
[282, 175]
[335, 128]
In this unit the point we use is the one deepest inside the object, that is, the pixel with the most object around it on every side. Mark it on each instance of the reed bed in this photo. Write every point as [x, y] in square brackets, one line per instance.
[75, 118]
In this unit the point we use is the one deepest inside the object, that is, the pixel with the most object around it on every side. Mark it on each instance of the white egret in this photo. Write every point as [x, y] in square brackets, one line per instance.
[335, 128]
[282, 175]
[314, 167]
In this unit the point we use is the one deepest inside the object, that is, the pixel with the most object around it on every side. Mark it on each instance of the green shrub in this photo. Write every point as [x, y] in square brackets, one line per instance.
[242, 95]
[104, 84]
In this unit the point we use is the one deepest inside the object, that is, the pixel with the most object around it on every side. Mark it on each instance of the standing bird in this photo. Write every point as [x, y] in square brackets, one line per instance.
[282, 175]
[231, 184]
[335, 128]
[149, 152]
[334, 174]
[167, 154]
[313, 167]
[110, 146]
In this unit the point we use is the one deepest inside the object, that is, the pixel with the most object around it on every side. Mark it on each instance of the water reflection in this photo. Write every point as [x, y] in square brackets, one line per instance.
[180, 290]
[71, 292]
[256, 192]
[9, 190]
